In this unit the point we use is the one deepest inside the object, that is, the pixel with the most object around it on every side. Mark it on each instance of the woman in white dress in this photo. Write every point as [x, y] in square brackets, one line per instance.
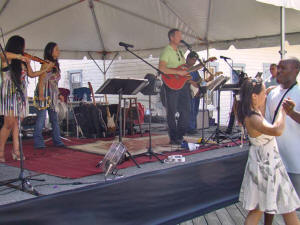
[266, 185]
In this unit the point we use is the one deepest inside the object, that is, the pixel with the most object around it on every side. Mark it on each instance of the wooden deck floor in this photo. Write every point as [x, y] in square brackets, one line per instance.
[231, 215]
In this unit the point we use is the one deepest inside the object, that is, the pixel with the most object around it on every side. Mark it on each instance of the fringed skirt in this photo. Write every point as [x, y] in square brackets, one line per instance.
[11, 102]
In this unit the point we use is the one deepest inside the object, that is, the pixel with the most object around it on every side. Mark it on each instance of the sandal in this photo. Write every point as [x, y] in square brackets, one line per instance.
[16, 157]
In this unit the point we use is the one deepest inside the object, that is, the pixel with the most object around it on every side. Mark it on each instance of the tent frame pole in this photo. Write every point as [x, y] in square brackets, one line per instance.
[282, 32]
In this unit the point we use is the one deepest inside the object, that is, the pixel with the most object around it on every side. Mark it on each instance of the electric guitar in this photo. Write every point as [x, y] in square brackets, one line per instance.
[196, 91]
[176, 82]
[111, 126]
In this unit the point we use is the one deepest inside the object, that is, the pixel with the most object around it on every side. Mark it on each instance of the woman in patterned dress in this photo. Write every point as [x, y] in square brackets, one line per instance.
[46, 95]
[13, 81]
[266, 185]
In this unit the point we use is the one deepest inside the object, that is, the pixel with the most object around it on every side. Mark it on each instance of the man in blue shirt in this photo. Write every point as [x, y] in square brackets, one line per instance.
[196, 82]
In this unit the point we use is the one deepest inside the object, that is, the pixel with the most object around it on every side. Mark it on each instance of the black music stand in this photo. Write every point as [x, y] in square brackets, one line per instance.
[122, 86]
[216, 134]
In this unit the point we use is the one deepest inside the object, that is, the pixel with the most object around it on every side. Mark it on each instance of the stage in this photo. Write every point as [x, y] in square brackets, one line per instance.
[224, 165]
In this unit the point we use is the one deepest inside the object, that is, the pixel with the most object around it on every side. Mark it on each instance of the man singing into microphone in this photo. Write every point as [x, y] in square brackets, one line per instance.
[176, 100]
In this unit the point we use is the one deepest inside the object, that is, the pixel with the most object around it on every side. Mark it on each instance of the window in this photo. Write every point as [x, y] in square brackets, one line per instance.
[75, 78]
[266, 71]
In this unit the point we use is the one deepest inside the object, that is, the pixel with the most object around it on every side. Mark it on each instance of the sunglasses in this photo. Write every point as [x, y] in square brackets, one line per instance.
[179, 55]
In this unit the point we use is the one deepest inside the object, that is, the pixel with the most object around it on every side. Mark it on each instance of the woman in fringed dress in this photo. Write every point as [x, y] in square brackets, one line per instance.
[14, 81]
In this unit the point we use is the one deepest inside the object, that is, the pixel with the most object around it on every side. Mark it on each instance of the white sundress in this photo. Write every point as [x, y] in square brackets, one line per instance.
[266, 185]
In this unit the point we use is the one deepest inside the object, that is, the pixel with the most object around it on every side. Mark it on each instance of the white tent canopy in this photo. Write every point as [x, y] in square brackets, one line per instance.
[81, 26]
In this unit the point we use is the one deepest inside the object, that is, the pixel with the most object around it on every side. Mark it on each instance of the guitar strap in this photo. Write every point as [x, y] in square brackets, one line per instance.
[278, 106]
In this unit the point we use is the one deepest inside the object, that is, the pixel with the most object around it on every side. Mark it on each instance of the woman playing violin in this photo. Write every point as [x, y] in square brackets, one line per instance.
[13, 79]
[46, 95]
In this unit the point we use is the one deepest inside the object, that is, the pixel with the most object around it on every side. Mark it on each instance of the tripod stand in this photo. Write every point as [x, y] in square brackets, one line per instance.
[122, 86]
[150, 152]
[25, 181]
[216, 134]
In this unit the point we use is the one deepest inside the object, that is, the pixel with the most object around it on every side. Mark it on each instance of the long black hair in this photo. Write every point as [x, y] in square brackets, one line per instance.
[48, 51]
[16, 44]
[250, 86]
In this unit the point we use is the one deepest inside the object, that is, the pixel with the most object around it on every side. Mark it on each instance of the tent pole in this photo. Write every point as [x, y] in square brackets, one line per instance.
[92, 8]
[282, 32]
[4, 6]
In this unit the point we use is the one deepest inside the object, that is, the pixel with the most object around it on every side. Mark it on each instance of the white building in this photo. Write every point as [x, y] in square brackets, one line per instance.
[250, 60]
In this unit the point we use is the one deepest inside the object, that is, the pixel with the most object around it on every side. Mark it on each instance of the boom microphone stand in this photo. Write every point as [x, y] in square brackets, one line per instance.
[149, 152]
[203, 91]
[25, 181]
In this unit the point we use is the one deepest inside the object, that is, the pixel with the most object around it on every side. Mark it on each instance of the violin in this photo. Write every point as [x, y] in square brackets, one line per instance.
[37, 59]
[34, 58]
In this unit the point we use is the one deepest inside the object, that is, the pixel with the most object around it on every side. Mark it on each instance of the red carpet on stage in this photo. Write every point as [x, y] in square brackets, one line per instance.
[68, 163]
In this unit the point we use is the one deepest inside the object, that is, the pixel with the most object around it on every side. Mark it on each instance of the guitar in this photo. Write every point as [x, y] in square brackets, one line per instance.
[102, 122]
[176, 82]
[111, 126]
[92, 92]
[196, 91]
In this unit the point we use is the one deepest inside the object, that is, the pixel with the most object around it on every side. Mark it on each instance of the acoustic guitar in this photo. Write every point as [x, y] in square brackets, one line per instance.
[176, 82]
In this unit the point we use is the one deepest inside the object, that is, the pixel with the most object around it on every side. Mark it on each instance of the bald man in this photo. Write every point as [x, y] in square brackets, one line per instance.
[289, 141]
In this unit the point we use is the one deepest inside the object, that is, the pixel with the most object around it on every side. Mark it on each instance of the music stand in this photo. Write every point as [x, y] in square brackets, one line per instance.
[122, 86]
[217, 85]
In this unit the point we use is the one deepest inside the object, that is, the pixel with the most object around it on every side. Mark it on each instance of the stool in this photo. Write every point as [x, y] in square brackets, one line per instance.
[130, 113]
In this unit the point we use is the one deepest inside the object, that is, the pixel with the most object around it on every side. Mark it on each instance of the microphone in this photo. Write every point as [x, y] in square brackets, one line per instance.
[126, 45]
[186, 44]
[224, 57]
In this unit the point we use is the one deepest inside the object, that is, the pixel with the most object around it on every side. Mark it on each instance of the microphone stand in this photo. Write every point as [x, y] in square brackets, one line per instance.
[203, 92]
[25, 181]
[234, 96]
[149, 152]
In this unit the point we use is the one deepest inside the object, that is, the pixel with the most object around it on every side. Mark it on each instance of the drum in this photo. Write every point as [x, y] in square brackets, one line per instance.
[113, 157]
[61, 109]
